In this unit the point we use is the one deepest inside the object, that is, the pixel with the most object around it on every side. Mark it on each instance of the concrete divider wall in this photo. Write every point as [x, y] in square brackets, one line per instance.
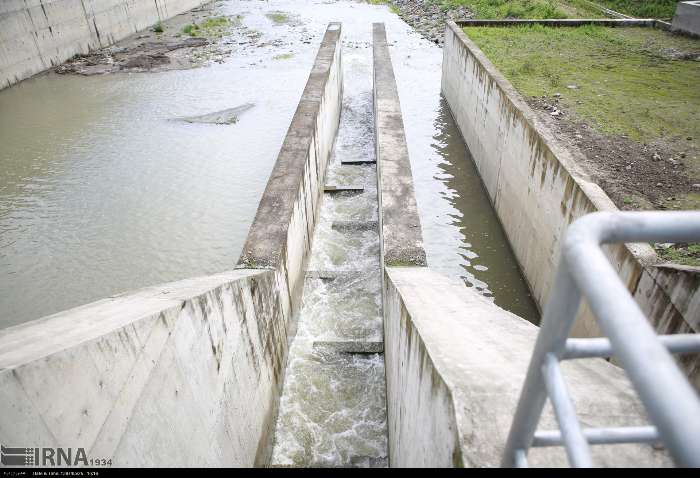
[187, 373]
[401, 236]
[537, 190]
[38, 34]
[280, 236]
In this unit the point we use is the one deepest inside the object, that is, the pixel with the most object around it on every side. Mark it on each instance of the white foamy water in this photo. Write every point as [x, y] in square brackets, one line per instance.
[333, 405]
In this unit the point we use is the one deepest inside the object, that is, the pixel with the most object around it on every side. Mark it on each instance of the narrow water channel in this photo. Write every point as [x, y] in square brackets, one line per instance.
[102, 193]
[333, 405]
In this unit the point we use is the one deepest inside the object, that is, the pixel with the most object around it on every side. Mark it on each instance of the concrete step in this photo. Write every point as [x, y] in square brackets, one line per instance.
[355, 462]
[350, 346]
[355, 226]
[333, 275]
[331, 189]
[358, 161]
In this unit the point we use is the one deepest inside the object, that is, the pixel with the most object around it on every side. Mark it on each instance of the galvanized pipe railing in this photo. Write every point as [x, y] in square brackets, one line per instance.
[672, 404]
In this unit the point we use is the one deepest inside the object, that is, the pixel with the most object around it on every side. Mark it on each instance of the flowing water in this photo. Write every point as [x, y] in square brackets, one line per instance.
[333, 406]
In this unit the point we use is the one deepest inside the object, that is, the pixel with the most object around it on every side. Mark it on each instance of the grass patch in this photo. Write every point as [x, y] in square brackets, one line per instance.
[283, 56]
[190, 29]
[492, 9]
[625, 81]
[685, 254]
[211, 27]
[544, 9]
[158, 27]
[278, 17]
[642, 8]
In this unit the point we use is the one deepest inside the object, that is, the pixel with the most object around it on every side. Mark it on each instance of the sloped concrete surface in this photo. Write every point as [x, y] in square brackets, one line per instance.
[455, 365]
[182, 374]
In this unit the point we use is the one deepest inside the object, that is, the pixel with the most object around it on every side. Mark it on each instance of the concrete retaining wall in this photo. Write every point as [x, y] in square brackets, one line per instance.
[187, 373]
[280, 236]
[38, 34]
[537, 190]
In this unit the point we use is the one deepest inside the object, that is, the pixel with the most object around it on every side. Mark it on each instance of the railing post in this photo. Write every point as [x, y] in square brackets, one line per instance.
[557, 321]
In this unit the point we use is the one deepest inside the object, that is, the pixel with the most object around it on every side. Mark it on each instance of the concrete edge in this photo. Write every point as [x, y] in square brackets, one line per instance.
[401, 235]
[41, 338]
[265, 245]
[95, 377]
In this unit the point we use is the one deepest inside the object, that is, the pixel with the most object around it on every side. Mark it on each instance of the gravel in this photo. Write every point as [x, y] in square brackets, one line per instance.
[428, 18]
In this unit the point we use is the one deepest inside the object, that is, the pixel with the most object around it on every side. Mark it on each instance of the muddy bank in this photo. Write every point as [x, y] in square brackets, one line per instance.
[196, 38]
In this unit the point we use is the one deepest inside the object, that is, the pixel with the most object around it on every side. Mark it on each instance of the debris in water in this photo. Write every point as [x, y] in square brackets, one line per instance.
[228, 116]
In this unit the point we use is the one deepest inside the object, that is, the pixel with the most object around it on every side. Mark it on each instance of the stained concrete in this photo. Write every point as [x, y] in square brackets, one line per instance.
[38, 34]
[182, 374]
[402, 239]
[538, 188]
[455, 365]
[687, 17]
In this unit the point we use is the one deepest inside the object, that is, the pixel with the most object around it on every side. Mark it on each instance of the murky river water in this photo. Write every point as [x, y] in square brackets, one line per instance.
[101, 193]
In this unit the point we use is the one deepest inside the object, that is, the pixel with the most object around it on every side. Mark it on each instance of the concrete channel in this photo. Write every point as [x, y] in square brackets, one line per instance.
[332, 343]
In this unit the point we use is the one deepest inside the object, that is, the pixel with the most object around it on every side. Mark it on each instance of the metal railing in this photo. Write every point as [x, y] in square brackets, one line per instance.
[672, 404]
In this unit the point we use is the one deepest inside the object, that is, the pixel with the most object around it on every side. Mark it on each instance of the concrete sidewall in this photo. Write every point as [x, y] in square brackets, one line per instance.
[537, 190]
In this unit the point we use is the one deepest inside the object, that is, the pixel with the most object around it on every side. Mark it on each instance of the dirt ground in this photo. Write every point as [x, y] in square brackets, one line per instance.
[635, 175]
[172, 48]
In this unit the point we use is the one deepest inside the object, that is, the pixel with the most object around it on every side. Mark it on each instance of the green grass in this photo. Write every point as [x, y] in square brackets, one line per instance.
[278, 17]
[190, 29]
[283, 56]
[489, 9]
[158, 27]
[211, 27]
[625, 84]
[642, 8]
[685, 254]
